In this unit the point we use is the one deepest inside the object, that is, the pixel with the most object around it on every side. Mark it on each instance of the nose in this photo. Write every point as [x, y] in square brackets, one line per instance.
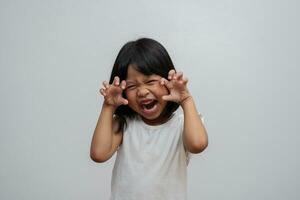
[142, 92]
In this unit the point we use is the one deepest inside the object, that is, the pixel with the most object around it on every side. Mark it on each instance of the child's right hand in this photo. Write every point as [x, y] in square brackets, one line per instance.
[113, 93]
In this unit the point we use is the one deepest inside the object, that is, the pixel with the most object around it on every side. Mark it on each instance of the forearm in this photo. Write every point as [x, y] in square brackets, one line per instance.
[194, 133]
[102, 138]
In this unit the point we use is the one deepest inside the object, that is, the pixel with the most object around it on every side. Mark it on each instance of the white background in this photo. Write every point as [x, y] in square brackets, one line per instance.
[242, 61]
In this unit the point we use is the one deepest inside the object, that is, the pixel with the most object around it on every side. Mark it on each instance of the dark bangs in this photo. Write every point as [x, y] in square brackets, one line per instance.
[151, 58]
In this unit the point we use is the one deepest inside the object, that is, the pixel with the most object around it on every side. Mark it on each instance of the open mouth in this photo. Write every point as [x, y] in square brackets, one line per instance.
[149, 105]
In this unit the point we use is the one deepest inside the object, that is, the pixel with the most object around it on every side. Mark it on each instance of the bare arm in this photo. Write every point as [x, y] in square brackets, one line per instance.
[194, 133]
[106, 139]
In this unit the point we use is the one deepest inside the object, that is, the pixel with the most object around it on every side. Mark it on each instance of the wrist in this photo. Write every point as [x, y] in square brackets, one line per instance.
[109, 107]
[185, 100]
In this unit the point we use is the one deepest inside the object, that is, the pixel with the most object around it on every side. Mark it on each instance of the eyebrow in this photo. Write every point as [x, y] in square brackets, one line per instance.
[130, 81]
[145, 79]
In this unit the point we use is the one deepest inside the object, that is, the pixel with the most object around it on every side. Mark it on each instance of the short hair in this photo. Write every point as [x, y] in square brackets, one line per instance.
[148, 57]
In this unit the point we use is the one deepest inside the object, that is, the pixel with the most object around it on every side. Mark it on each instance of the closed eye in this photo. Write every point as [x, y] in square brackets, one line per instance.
[152, 81]
[130, 87]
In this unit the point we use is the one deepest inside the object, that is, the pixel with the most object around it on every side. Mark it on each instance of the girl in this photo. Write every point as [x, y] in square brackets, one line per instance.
[138, 120]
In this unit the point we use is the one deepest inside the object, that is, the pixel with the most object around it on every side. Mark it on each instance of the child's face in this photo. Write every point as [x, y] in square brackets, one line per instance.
[144, 94]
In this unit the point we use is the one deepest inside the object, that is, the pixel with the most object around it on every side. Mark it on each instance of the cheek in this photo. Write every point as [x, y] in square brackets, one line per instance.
[130, 96]
[162, 90]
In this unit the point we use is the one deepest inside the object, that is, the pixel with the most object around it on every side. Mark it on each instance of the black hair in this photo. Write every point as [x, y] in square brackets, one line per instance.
[148, 57]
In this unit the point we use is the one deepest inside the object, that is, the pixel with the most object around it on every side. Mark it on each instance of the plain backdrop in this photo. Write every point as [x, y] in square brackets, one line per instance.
[242, 61]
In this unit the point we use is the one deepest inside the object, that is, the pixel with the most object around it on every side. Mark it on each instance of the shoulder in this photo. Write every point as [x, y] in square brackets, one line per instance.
[131, 123]
[179, 116]
[176, 121]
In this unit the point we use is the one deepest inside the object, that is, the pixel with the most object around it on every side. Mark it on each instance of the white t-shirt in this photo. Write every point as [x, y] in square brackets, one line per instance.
[151, 163]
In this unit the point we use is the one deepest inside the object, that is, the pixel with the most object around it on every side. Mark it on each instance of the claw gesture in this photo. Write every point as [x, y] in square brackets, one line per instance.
[177, 85]
[112, 93]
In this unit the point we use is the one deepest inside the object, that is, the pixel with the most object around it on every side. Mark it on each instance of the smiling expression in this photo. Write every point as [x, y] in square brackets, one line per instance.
[144, 94]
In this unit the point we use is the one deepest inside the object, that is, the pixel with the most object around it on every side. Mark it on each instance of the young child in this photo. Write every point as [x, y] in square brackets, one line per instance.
[138, 120]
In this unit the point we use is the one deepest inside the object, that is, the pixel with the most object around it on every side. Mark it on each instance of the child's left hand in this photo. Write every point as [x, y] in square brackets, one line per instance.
[177, 85]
